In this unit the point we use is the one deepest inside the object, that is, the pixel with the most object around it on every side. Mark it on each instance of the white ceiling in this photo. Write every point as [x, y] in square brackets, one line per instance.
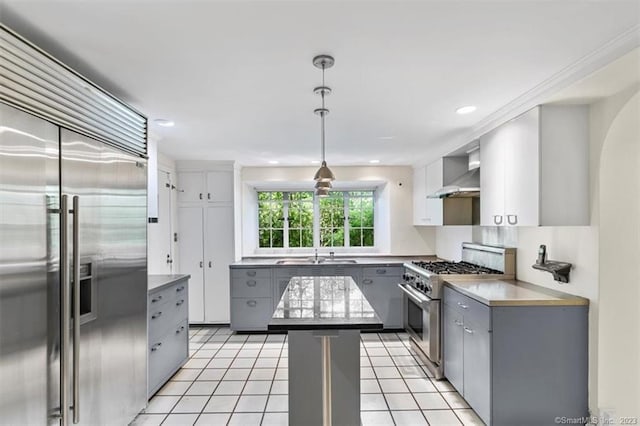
[237, 78]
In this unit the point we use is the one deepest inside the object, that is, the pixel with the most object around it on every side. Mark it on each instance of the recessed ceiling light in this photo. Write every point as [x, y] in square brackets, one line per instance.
[374, 161]
[466, 109]
[386, 138]
[164, 122]
[274, 162]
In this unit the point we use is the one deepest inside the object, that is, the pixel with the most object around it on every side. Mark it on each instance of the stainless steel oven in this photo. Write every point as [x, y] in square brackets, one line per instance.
[422, 323]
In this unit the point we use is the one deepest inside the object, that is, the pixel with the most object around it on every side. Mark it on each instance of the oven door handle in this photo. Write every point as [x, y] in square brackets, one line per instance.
[414, 295]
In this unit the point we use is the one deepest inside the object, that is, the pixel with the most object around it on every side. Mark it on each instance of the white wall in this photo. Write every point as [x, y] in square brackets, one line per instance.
[395, 203]
[583, 247]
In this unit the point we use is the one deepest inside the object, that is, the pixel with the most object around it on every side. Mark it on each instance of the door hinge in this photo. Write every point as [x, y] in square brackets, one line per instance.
[175, 237]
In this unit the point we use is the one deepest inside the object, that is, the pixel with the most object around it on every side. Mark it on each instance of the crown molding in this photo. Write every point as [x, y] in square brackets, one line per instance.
[607, 53]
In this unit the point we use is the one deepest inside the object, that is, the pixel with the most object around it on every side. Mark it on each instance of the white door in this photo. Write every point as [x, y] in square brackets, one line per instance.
[190, 233]
[160, 253]
[219, 187]
[191, 187]
[521, 170]
[219, 253]
[492, 177]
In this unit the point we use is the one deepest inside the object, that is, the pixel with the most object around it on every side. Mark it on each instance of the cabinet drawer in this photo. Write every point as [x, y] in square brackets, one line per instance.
[160, 297]
[167, 354]
[251, 273]
[251, 287]
[377, 271]
[251, 313]
[471, 310]
[166, 316]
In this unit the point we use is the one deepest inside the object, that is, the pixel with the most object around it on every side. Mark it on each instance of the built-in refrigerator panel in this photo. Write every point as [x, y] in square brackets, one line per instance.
[110, 188]
[29, 269]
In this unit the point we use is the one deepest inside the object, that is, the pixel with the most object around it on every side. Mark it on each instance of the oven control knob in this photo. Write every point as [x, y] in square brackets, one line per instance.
[427, 287]
[405, 277]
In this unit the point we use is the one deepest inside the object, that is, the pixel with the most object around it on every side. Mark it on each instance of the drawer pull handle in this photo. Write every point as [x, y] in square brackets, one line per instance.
[468, 330]
[252, 303]
[462, 305]
[180, 330]
[156, 347]
[156, 315]
[157, 299]
[381, 271]
[458, 323]
[179, 289]
[367, 281]
[497, 219]
[251, 273]
[179, 302]
[514, 221]
[251, 283]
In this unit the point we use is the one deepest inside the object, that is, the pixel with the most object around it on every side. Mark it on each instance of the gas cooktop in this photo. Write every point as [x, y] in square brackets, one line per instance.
[449, 268]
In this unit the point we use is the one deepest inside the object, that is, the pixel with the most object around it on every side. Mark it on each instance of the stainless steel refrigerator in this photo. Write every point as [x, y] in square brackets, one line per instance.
[73, 275]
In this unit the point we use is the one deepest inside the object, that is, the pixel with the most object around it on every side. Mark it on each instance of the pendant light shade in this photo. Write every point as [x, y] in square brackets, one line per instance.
[321, 184]
[324, 174]
[322, 192]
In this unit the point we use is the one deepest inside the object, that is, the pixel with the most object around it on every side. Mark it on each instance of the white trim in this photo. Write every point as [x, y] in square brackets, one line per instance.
[610, 51]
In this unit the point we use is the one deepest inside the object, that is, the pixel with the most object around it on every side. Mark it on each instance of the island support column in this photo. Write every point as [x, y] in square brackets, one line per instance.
[307, 358]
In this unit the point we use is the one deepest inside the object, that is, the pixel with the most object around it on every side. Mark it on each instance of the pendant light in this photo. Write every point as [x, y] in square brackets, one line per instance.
[324, 174]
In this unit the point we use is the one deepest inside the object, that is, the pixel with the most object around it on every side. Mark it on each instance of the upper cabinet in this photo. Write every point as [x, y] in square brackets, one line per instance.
[535, 169]
[205, 186]
[441, 211]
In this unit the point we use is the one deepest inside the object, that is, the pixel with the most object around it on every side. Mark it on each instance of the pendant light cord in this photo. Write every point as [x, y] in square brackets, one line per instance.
[322, 114]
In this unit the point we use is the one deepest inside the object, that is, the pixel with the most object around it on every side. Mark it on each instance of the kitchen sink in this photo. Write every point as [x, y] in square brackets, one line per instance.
[314, 261]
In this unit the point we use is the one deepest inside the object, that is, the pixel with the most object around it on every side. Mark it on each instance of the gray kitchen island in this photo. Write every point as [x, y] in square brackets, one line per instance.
[323, 316]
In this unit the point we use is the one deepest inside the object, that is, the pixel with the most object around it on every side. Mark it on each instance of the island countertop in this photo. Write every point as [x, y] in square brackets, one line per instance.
[513, 293]
[155, 282]
[324, 303]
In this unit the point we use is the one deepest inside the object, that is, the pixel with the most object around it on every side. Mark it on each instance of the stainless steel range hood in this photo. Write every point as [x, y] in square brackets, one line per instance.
[464, 186]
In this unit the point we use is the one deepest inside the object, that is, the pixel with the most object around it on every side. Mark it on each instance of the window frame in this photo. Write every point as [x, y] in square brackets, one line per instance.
[346, 247]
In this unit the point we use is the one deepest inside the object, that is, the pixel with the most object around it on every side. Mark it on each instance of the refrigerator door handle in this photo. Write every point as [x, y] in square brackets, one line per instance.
[76, 310]
[65, 310]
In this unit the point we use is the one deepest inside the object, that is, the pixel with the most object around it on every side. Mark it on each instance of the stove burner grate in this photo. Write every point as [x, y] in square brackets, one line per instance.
[449, 268]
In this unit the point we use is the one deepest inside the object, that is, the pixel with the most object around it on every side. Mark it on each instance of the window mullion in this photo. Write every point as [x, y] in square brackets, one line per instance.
[345, 198]
[285, 217]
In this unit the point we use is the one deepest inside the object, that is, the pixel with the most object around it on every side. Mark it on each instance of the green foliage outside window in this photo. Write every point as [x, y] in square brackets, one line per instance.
[286, 219]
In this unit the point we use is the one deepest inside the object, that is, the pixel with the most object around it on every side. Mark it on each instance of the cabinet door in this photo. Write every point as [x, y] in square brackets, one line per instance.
[477, 368]
[521, 170]
[419, 196]
[453, 347]
[434, 182]
[385, 298]
[191, 187]
[219, 187]
[492, 176]
[218, 256]
[160, 240]
[190, 244]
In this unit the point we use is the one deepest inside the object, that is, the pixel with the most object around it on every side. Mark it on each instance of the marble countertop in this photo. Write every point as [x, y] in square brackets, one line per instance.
[323, 303]
[360, 260]
[513, 293]
[155, 282]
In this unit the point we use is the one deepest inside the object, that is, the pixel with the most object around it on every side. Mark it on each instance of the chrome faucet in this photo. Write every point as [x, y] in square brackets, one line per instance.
[332, 254]
[316, 258]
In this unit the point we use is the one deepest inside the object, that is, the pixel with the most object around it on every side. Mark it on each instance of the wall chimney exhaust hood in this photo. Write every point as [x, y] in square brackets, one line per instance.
[466, 185]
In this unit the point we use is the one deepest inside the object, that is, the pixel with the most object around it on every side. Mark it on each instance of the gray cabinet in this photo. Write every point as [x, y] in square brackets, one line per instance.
[256, 290]
[513, 364]
[380, 287]
[251, 298]
[168, 332]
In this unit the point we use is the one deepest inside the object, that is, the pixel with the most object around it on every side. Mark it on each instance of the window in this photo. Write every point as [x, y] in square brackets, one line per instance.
[301, 220]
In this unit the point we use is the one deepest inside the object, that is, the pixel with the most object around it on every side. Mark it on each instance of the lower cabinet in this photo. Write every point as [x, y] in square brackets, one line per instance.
[523, 365]
[380, 287]
[168, 333]
[256, 291]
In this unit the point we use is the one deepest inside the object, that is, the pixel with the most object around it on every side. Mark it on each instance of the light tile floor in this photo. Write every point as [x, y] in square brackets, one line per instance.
[241, 379]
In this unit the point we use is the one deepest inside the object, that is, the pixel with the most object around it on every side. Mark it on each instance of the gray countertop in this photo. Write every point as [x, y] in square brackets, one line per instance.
[513, 293]
[155, 282]
[322, 303]
[360, 260]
